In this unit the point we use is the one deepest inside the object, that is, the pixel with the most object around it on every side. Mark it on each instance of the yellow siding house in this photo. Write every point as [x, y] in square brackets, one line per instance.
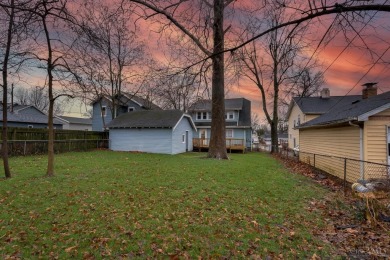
[358, 131]
[304, 109]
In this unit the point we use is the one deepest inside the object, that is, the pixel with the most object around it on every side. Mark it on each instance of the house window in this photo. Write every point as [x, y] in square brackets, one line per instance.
[104, 110]
[183, 138]
[295, 124]
[30, 126]
[229, 133]
[129, 109]
[229, 115]
[201, 115]
[299, 120]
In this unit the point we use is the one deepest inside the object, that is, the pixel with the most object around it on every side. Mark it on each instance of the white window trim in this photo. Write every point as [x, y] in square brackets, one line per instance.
[202, 115]
[227, 115]
[130, 109]
[232, 130]
[30, 126]
[183, 138]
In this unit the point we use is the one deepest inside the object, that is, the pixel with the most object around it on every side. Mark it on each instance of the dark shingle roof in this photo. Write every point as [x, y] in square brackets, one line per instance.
[318, 105]
[230, 104]
[147, 119]
[23, 118]
[77, 120]
[350, 111]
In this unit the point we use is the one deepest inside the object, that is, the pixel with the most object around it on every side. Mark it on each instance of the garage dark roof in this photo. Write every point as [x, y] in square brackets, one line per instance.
[77, 120]
[352, 111]
[148, 119]
[20, 115]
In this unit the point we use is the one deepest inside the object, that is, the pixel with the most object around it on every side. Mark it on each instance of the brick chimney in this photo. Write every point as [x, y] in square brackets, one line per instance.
[369, 90]
[325, 93]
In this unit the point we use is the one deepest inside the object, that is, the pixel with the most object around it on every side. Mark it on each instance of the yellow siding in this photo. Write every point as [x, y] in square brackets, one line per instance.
[294, 133]
[375, 139]
[337, 142]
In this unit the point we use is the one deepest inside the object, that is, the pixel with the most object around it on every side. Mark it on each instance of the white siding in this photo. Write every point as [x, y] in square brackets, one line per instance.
[177, 137]
[142, 140]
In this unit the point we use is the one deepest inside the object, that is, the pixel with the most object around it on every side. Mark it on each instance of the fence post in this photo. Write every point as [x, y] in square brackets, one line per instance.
[24, 149]
[345, 174]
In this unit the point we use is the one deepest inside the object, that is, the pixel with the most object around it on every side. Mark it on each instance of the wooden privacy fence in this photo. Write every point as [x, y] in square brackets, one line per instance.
[23, 141]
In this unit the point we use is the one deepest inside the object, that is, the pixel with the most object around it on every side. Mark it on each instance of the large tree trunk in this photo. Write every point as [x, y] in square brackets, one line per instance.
[217, 147]
[4, 151]
[274, 137]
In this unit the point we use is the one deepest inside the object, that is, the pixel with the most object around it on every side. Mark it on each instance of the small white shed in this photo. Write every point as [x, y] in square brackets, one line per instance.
[152, 131]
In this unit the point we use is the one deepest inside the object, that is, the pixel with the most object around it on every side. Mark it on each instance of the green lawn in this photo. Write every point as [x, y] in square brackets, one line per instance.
[116, 204]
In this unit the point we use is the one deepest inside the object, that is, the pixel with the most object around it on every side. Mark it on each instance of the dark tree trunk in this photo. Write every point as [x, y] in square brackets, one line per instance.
[274, 137]
[4, 151]
[217, 147]
[50, 67]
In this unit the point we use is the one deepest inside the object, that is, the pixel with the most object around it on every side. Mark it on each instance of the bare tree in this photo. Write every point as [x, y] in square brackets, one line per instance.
[306, 83]
[8, 43]
[270, 64]
[196, 19]
[47, 16]
[38, 97]
[108, 56]
[177, 90]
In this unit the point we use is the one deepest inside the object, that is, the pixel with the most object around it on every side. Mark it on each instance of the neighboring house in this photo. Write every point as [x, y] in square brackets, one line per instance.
[126, 103]
[153, 131]
[304, 109]
[27, 116]
[359, 130]
[76, 123]
[238, 122]
[282, 139]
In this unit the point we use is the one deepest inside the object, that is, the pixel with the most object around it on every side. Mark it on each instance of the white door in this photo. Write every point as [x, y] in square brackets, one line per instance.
[203, 136]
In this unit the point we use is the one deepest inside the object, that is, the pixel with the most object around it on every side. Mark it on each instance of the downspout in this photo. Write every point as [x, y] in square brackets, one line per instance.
[361, 146]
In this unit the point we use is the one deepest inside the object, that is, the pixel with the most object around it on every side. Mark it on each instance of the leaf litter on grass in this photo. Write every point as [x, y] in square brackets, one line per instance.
[346, 229]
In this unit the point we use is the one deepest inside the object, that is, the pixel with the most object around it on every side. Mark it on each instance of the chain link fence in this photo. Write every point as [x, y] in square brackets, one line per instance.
[349, 170]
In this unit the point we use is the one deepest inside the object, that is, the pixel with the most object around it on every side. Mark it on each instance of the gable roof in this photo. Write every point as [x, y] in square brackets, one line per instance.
[149, 119]
[319, 105]
[126, 97]
[354, 111]
[19, 116]
[76, 120]
[230, 104]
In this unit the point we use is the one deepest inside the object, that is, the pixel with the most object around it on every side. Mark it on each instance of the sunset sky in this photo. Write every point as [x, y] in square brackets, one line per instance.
[345, 70]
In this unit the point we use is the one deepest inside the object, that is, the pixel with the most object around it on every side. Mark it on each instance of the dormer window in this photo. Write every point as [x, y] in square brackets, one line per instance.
[130, 109]
[229, 115]
[299, 120]
[201, 115]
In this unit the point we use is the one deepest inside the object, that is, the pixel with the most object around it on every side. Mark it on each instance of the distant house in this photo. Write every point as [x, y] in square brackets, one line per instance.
[28, 116]
[76, 123]
[103, 108]
[359, 130]
[282, 139]
[238, 122]
[304, 109]
[152, 131]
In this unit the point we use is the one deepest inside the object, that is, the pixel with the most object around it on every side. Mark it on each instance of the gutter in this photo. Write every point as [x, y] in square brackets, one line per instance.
[326, 124]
